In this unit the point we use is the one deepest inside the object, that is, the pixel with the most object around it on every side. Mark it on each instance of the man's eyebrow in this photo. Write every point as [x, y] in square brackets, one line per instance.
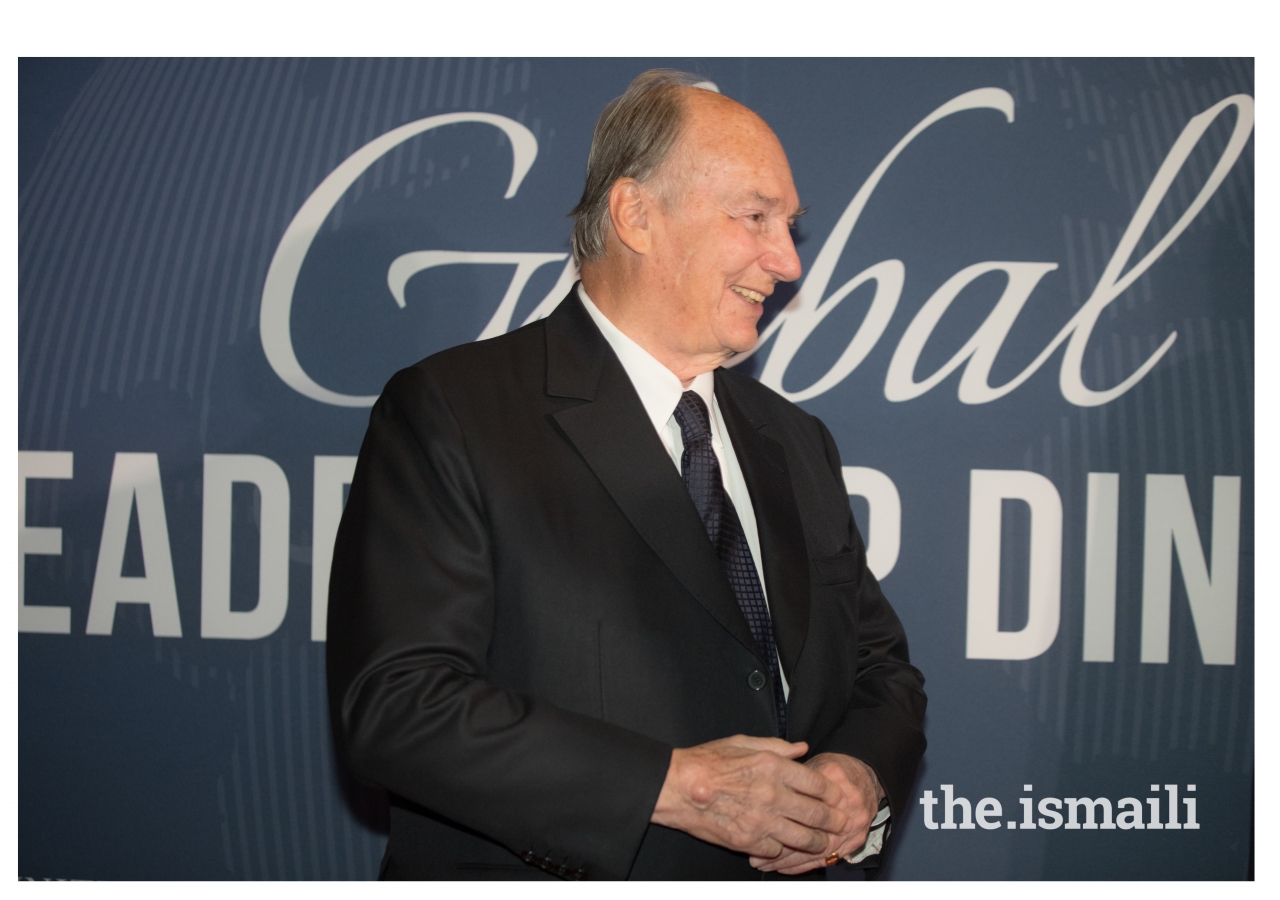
[766, 200]
[752, 196]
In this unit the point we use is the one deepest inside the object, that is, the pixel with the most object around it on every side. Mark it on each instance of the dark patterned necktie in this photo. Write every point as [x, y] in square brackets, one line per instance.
[701, 472]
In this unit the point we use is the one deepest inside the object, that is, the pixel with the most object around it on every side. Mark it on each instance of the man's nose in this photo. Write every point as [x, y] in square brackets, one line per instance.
[782, 261]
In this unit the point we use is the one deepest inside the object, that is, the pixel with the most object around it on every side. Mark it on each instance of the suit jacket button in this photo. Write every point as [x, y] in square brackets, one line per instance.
[756, 680]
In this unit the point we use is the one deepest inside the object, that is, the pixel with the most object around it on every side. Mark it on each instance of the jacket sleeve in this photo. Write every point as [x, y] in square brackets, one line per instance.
[883, 724]
[411, 607]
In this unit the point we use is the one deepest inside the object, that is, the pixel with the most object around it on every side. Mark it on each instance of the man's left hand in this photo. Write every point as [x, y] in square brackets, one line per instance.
[860, 796]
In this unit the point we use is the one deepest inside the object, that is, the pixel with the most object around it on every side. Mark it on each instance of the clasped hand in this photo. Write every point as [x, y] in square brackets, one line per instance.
[749, 794]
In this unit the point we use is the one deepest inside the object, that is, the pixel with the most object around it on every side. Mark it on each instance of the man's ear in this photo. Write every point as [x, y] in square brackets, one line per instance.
[629, 212]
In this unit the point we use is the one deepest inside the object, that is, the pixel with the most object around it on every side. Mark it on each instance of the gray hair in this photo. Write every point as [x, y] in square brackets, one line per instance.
[633, 138]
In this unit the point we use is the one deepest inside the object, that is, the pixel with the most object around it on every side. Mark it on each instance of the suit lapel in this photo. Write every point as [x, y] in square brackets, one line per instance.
[786, 561]
[615, 437]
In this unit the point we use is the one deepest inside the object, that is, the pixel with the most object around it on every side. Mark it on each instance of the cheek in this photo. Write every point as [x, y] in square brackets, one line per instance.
[735, 323]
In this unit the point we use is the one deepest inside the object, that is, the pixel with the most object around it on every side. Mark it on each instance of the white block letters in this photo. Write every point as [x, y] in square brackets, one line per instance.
[332, 474]
[217, 618]
[1212, 593]
[135, 478]
[42, 541]
[983, 638]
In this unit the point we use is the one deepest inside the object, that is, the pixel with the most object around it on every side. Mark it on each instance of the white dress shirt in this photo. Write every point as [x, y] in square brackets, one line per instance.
[660, 391]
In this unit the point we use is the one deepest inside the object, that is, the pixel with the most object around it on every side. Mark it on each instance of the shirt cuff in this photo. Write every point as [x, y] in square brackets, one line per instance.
[880, 827]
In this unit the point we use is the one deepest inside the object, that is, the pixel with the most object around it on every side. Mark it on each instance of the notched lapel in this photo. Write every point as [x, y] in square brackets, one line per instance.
[786, 560]
[615, 437]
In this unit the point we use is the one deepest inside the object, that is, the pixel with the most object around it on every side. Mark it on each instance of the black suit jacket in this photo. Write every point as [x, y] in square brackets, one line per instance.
[526, 616]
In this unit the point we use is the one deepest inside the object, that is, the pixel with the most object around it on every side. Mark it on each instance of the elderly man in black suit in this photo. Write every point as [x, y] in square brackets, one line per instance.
[598, 606]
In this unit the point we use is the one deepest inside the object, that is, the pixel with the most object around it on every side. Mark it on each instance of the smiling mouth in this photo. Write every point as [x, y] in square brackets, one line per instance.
[747, 293]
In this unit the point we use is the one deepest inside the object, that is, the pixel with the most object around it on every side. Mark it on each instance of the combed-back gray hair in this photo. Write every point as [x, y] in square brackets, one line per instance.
[633, 138]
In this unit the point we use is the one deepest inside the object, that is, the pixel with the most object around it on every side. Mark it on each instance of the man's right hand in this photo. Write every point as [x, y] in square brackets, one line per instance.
[747, 794]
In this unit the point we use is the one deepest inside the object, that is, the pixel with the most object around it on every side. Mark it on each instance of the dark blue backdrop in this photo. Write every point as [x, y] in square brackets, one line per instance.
[156, 196]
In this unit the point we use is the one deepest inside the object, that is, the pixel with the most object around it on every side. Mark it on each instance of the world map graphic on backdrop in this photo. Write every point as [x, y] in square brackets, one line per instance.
[1026, 317]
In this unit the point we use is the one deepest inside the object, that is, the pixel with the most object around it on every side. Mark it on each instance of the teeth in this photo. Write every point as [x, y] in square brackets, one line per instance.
[747, 293]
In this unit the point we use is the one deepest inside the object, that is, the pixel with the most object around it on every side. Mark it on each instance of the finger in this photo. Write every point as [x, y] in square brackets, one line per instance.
[834, 772]
[766, 850]
[859, 792]
[793, 863]
[851, 801]
[804, 780]
[785, 749]
[813, 813]
[840, 778]
[848, 850]
[773, 865]
[792, 750]
[794, 836]
[855, 843]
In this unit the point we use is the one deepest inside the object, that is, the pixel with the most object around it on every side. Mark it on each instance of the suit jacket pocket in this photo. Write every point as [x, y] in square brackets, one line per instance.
[839, 569]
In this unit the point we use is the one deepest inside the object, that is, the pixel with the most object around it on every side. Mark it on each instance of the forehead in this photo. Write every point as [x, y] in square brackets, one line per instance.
[730, 151]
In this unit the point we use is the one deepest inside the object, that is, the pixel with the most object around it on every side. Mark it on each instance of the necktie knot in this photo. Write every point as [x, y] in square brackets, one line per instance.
[692, 416]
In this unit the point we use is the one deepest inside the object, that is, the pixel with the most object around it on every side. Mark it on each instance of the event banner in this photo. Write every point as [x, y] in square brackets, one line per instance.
[1026, 316]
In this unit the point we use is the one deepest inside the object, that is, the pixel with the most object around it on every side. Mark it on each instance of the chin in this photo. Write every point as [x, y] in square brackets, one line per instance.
[743, 341]
[737, 332]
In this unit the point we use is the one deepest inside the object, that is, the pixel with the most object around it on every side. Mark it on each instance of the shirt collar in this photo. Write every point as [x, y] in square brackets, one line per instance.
[659, 388]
